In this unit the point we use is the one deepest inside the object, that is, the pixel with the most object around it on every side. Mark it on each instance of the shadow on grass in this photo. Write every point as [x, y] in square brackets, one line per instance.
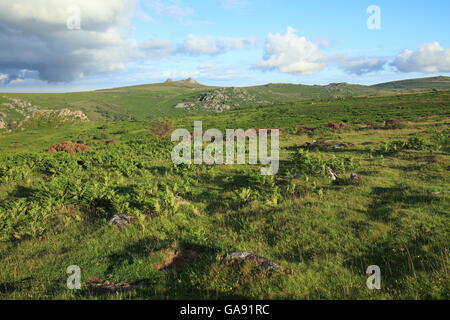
[399, 261]
[11, 287]
[22, 192]
[385, 198]
[174, 278]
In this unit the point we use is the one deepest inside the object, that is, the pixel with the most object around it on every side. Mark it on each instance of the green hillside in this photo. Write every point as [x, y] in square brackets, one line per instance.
[421, 84]
[170, 99]
[184, 98]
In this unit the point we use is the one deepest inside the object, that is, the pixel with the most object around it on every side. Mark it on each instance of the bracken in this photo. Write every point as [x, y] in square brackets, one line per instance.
[69, 147]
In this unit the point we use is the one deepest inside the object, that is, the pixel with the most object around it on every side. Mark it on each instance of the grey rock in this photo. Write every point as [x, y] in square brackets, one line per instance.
[355, 176]
[243, 256]
[120, 220]
[332, 174]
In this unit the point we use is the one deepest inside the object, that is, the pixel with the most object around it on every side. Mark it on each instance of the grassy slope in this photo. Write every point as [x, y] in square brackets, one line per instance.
[326, 235]
[119, 104]
[156, 100]
[421, 84]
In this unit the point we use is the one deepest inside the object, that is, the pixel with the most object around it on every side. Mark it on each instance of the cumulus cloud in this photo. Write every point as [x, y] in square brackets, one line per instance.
[360, 65]
[34, 36]
[291, 53]
[429, 58]
[198, 45]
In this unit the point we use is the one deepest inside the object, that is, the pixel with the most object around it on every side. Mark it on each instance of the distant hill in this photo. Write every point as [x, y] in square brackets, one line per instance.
[170, 98]
[177, 98]
[420, 84]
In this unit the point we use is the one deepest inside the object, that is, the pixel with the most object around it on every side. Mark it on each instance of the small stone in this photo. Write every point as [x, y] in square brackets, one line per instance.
[332, 174]
[354, 176]
[120, 220]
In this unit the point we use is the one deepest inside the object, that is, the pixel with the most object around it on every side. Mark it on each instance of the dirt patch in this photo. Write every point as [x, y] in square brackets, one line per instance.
[179, 257]
[120, 220]
[98, 287]
[69, 147]
[394, 124]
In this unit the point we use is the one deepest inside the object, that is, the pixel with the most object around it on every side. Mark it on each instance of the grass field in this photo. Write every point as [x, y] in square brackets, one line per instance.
[55, 207]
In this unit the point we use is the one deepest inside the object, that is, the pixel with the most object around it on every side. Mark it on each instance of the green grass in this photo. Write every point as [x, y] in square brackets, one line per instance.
[54, 208]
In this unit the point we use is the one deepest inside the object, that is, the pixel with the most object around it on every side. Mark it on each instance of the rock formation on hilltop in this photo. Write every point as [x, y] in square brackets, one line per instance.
[191, 81]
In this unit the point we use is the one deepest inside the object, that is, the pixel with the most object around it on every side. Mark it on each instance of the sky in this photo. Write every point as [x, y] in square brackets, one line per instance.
[80, 45]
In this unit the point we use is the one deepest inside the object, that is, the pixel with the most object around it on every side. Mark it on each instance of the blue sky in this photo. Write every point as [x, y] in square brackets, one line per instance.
[219, 42]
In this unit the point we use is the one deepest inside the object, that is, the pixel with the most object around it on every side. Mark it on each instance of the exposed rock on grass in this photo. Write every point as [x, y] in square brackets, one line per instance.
[354, 176]
[333, 176]
[120, 220]
[326, 145]
[246, 256]
[69, 147]
[99, 287]
[222, 99]
[353, 179]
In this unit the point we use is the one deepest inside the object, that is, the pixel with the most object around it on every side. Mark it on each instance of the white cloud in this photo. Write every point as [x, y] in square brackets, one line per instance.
[34, 36]
[430, 58]
[197, 45]
[360, 65]
[290, 53]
